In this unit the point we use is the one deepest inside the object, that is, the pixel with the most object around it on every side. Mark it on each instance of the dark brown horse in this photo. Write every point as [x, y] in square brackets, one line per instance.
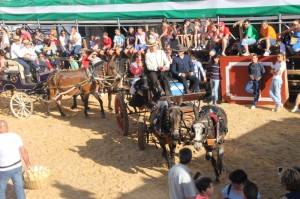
[165, 124]
[210, 129]
[80, 82]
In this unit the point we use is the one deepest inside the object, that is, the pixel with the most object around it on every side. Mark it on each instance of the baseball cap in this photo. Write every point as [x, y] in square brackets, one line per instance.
[221, 23]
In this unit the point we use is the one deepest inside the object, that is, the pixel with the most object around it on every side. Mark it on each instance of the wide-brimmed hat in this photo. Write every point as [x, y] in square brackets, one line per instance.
[5, 28]
[16, 38]
[26, 41]
[180, 47]
[151, 42]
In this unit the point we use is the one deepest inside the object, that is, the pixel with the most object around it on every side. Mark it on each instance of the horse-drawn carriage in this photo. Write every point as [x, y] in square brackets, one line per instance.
[173, 119]
[22, 95]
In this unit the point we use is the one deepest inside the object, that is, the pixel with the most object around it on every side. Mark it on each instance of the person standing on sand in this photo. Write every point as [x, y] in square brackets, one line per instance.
[275, 89]
[181, 184]
[255, 71]
[11, 147]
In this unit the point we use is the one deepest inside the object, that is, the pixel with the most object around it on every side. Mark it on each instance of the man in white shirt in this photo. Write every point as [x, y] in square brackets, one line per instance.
[181, 184]
[157, 64]
[11, 147]
[275, 89]
[17, 55]
[75, 43]
[30, 55]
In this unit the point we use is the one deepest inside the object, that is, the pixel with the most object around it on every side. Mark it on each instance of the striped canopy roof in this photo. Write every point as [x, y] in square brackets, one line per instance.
[23, 10]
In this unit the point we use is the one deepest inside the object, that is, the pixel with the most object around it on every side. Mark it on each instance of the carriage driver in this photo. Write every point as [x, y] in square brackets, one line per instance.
[17, 55]
[157, 64]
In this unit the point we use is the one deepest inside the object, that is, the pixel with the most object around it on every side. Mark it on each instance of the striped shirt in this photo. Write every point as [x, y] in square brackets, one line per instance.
[215, 71]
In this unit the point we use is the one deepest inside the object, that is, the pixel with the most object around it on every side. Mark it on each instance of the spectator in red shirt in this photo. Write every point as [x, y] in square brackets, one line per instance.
[25, 35]
[85, 62]
[106, 44]
[221, 39]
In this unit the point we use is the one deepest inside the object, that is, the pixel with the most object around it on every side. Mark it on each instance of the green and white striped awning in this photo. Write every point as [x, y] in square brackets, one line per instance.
[25, 10]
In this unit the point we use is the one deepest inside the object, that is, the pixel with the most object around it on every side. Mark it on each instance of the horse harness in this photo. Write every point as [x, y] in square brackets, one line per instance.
[71, 87]
[163, 123]
[212, 121]
[104, 80]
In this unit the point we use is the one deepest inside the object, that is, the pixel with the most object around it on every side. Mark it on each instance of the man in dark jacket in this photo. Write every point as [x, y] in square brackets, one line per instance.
[255, 70]
[183, 69]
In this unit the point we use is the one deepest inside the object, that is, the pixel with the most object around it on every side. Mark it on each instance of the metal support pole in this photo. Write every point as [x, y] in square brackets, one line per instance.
[77, 28]
[118, 21]
[279, 23]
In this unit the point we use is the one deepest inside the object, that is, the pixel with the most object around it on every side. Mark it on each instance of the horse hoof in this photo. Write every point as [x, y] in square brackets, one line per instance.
[63, 115]
[87, 117]
[223, 170]
[103, 116]
[110, 108]
[73, 107]
[207, 157]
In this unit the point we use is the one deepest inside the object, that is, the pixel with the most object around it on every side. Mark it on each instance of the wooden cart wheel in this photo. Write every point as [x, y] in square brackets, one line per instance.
[141, 131]
[21, 105]
[121, 114]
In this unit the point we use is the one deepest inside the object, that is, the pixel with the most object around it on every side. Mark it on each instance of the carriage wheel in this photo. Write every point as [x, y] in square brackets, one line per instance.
[21, 105]
[141, 131]
[121, 114]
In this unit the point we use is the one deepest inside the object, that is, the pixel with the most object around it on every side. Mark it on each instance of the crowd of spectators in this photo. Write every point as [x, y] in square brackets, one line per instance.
[37, 51]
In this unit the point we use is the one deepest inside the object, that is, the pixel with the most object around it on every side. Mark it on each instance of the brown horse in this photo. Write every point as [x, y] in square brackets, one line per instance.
[165, 123]
[210, 129]
[80, 82]
[108, 78]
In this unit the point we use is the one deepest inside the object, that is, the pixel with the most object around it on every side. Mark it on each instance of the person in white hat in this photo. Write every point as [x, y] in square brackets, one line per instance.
[17, 55]
[157, 64]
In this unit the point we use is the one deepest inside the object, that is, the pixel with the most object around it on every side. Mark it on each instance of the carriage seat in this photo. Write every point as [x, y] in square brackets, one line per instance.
[15, 67]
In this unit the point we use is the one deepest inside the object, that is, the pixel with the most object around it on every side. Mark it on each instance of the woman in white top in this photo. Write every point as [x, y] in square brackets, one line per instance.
[275, 89]
[64, 40]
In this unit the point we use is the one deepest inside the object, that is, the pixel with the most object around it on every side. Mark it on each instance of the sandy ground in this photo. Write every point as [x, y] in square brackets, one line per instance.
[89, 159]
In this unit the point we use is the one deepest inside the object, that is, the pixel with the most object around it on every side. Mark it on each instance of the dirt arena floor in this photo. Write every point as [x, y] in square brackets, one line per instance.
[89, 159]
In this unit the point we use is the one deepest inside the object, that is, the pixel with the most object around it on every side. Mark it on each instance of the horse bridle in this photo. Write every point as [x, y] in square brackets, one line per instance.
[173, 130]
[207, 131]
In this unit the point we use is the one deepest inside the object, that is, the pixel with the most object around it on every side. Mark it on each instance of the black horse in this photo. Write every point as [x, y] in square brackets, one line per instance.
[210, 129]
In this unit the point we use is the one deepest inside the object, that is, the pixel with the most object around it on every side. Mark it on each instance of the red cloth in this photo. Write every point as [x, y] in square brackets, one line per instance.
[26, 36]
[222, 34]
[85, 62]
[201, 197]
[136, 70]
[49, 65]
[107, 41]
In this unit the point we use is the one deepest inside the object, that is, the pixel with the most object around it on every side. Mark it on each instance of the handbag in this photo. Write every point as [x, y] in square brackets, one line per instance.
[293, 40]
